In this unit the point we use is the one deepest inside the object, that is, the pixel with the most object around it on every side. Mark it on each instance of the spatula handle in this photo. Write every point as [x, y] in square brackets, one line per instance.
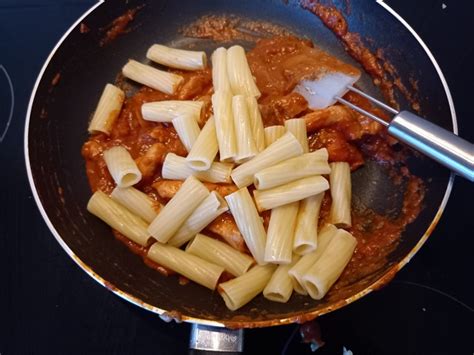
[438, 143]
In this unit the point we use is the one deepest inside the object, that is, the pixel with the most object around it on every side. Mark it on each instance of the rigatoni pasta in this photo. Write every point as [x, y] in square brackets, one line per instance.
[209, 209]
[107, 111]
[119, 218]
[212, 250]
[293, 254]
[238, 70]
[205, 149]
[224, 121]
[220, 79]
[168, 188]
[296, 168]
[122, 167]
[246, 147]
[188, 130]
[280, 286]
[326, 270]
[137, 202]
[241, 290]
[194, 268]
[297, 126]
[177, 58]
[166, 111]
[297, 272]
[156, 79]
[281, 229]
[284, 148]
[291, 192]
[177, 168]
[178, 209]
[272, 133]
[256, 122]
[341, 193]
[306, 228]
[249, 222]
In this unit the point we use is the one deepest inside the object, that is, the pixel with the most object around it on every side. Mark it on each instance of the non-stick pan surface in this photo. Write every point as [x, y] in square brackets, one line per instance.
[57, 127]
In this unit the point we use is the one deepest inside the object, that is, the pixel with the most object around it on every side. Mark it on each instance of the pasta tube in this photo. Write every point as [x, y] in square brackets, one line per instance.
[297, 272]
[209, 209]
[249, 222]
[241, 290]
[306, 229]
[296, 168]
[187, 129]
[219, 253]
[246, 148]
[166, 111]
[284, 148]
[156, 79]
[297, 126]
[107, 111]
[272, 133]
[319, 278]
[291, 192]
[281, 229]
[178, 209]
[176, 168]
[220, 80]
[177, 58]
[122, 167]
[118, 217]
[137, 202]
[341, 194]
[256, 122]
[280, 286]
[205, 149]
[225, 132]
[194, 268]
[238, 70]
[168, 188]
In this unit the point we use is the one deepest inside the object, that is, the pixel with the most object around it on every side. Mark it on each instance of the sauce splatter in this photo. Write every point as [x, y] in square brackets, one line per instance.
[119, 26]
[83, 28]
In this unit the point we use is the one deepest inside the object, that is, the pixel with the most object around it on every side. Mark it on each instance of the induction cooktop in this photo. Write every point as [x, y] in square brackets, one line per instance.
[48, 305]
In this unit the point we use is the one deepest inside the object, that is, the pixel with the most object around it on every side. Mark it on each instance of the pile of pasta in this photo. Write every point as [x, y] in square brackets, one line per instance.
[232, 147]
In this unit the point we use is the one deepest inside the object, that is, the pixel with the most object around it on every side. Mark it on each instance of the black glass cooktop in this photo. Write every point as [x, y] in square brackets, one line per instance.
[48, 305]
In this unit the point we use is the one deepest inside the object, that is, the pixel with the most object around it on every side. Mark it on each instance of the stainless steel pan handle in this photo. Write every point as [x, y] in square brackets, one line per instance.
[211, 340]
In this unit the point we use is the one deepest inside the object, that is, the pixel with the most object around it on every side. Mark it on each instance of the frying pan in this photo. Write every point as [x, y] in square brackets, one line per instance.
[70, 83]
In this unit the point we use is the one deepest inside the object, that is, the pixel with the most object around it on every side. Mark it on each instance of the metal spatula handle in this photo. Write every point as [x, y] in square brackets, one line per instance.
[438, 143]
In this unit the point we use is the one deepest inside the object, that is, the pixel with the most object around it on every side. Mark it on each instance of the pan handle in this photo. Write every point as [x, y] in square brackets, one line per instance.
[207, 339]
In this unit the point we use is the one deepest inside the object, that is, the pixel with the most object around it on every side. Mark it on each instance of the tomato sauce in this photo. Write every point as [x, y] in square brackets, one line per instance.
[347, 135]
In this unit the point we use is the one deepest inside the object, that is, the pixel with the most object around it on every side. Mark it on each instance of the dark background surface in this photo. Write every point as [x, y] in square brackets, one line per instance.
[48, 305]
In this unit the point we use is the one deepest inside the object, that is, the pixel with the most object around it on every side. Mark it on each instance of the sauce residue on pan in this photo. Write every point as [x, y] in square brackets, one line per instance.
[347, 135]
[118, 26]
[382, 71]
[83, 28]
[225, 28]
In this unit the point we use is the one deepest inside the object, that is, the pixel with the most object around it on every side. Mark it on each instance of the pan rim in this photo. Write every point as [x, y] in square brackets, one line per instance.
[306, 316]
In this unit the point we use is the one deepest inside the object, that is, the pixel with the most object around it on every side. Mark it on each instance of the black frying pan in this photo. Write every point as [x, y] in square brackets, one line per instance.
[56, 128]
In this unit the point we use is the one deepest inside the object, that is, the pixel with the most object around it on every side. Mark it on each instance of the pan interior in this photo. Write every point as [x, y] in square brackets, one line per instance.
[58, 128]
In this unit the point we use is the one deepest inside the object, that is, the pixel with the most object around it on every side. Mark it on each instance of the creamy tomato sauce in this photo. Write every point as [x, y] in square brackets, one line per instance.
[277, 63]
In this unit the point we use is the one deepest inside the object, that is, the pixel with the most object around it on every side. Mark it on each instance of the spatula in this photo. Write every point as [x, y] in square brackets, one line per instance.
[437, 143]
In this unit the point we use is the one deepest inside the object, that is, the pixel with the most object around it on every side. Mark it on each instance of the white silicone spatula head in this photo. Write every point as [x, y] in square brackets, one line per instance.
[320, 93]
